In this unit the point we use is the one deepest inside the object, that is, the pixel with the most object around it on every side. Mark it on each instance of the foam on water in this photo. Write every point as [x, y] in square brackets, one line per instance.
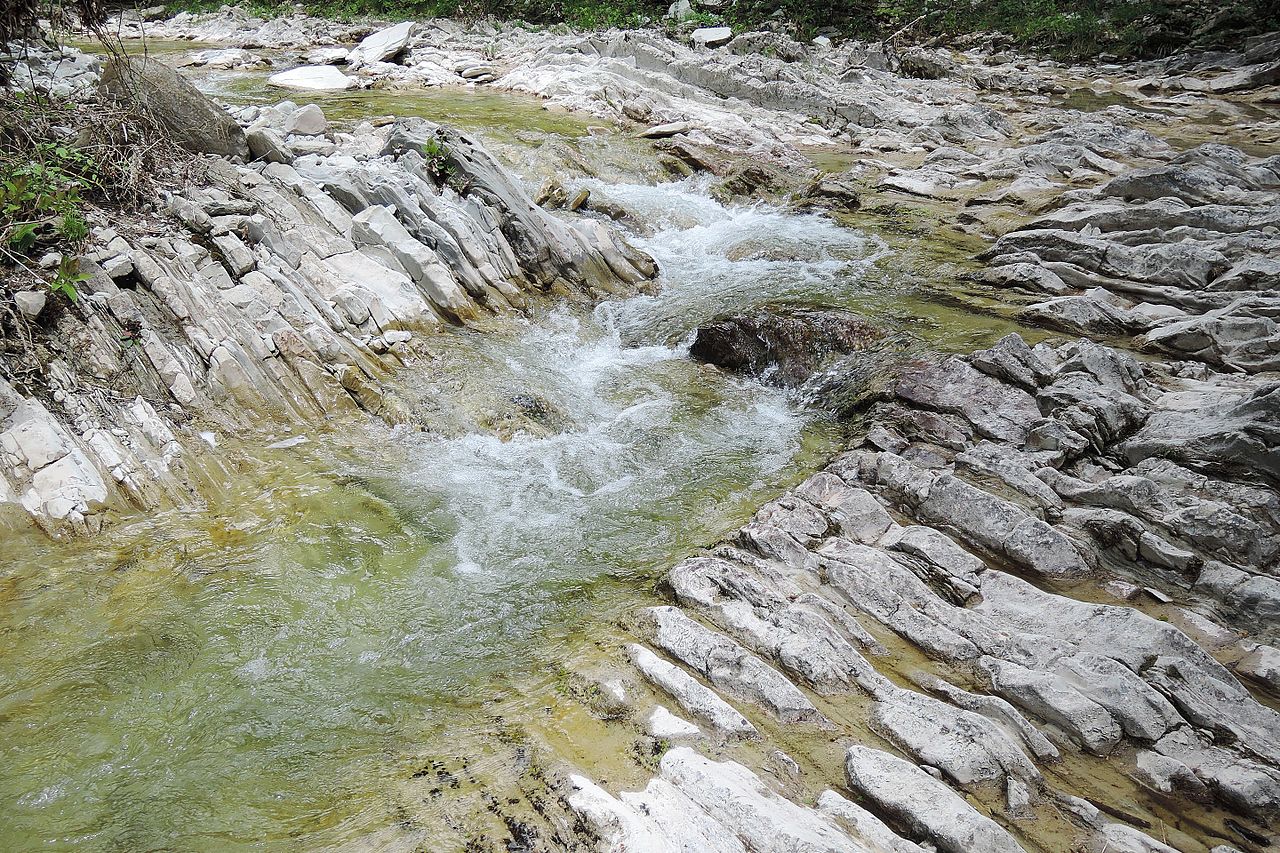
[257, 675]
[651, 455]
[717, 258]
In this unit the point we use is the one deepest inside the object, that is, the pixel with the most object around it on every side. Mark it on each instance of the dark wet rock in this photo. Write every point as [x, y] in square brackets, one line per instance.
[787, 345]
[542, 411]
[748, 179]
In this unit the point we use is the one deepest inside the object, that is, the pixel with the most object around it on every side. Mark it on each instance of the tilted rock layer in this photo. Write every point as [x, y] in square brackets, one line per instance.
[290, 290]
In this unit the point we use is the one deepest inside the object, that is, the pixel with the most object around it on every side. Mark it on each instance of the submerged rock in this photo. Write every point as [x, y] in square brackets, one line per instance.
[831, 358]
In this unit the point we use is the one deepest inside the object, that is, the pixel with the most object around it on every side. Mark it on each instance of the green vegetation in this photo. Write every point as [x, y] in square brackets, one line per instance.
[1075, 27]
[44, 187]
[437, 157]
[62, 159]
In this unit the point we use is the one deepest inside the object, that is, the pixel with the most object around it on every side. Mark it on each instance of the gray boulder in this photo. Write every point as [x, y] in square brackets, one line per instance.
[1231, 433]
[192, 120]
[312, 78]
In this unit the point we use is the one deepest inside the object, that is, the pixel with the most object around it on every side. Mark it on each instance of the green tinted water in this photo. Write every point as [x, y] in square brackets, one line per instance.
[279, 669]
[261, 675]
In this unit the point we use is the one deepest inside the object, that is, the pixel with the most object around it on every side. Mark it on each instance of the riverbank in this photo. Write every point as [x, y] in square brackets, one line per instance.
[1030, 604]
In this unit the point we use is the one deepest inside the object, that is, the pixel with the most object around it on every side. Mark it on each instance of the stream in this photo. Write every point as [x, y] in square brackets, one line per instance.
[365, 624]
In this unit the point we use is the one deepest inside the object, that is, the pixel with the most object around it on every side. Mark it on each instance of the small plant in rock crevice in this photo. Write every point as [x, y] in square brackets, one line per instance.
[43, 191]
[65, 163]
[436, 153]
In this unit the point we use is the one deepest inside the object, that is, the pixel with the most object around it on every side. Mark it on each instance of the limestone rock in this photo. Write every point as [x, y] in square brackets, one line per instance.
[692, 695]
[195, 122]
[30, 302]
[711, 36]
[312, 78]
[933, 811]
[308, 120]
[384, 45]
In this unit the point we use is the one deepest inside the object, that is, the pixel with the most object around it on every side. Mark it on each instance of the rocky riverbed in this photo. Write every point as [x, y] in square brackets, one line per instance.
[1030, 603]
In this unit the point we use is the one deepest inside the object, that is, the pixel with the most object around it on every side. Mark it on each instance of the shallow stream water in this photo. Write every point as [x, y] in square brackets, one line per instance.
[282, 669]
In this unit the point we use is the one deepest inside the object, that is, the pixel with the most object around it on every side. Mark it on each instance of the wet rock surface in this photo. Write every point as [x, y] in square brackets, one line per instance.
[785, 345]
[285, 290]
[1033, 606]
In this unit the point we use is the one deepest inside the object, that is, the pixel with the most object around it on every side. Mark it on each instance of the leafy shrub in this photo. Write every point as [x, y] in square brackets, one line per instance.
[43, 189]
[437, 156]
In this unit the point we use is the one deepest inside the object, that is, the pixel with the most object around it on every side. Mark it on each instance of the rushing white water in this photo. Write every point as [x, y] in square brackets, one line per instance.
[254, 676]
[717, 259]
[646, 454]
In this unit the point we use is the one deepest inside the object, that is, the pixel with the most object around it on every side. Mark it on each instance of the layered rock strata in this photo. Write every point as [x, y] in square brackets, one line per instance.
[285, 294]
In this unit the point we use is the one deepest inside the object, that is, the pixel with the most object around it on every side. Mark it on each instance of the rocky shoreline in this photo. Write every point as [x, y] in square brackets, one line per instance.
[286, 290]
[1033, 606]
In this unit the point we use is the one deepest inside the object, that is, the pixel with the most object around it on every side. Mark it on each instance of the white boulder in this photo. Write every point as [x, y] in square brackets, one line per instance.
[383, 45]
[711, 36]
[328, 56]
[312, 78]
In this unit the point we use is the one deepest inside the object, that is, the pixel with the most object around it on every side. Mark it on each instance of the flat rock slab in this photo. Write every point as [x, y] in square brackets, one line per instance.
[384, 45]
[665, 131]
[712, 36]
[312, 78]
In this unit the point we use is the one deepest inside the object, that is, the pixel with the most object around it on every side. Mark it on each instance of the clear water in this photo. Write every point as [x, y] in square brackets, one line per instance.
[275, 671]
[268, 674]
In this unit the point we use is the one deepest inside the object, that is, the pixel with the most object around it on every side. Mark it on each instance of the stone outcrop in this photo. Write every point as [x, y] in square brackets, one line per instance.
[287, 291]
[951, 532]
[192, 121]
[1181, 257]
